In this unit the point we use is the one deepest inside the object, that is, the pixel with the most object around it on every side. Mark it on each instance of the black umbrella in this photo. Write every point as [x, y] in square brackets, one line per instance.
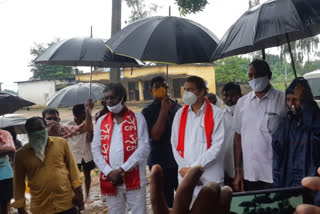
[273, 23]
[83, 52]
[76, 94]
[10, 103]
[166, 40]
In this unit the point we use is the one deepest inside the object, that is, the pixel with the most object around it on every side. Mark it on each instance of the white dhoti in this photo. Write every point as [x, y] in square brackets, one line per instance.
[134, 199]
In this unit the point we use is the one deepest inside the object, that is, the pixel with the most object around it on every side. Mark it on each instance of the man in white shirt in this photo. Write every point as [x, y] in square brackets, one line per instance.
[120, 149]
[256, 117]
[231, 92]
[81, 147]
[198, 133]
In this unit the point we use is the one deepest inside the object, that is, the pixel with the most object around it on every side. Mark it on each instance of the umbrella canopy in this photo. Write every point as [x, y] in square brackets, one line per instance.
[76, 94]
[10, 103]
[83, 52]
[16, 121]
[165, 39]
[270, 24]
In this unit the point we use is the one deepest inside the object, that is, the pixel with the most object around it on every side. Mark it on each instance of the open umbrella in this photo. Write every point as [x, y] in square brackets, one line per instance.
[14, 120]
[76, 94]
[273, 23]
[84, 52]
[165, 39]
[10, 103]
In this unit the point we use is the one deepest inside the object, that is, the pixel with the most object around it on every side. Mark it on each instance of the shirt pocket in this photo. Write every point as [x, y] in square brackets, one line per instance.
[201, 133]
[270, 122]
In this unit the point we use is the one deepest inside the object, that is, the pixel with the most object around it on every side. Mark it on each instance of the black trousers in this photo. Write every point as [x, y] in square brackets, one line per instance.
[170, 176]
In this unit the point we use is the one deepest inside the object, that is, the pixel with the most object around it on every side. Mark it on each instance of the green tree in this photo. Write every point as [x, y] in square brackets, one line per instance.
[191, 6]
[139, 9]
[46, 72]
[10, 91]
[232, 69]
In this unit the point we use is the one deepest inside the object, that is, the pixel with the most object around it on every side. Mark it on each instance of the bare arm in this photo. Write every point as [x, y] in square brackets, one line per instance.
[88, 122]
[160, 126]
[238, 179]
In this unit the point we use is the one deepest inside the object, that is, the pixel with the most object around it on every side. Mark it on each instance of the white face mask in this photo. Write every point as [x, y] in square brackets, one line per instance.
[116, 108]
[259, 84]
[230, 108]
[189, 98]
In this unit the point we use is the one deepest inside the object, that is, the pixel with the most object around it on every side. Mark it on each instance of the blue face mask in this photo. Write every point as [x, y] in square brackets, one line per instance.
[259, 84]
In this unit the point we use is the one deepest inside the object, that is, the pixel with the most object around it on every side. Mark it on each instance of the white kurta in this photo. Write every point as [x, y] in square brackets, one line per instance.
[256, 120]
[195, 146]
[116, 154]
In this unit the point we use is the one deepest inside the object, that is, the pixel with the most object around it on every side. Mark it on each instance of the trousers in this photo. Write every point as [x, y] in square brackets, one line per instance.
[135, 200]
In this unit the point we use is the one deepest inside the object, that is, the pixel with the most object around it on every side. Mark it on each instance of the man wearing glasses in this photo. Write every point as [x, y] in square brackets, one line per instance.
[159, 116]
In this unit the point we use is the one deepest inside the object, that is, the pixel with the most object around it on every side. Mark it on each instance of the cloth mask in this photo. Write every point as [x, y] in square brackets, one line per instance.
[116, 108]
[259, 84]
[189, 98]
[38, 141]
[159, 92]
[231, 108]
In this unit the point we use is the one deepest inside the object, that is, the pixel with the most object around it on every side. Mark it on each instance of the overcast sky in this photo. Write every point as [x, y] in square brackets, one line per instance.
[25, 22]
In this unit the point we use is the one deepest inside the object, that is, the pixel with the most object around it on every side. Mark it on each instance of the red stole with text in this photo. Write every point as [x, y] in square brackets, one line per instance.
[208, 126]
[130, 144]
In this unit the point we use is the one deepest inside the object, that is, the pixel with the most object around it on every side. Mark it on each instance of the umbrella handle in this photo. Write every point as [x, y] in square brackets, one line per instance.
[292, 60]
[90, 83]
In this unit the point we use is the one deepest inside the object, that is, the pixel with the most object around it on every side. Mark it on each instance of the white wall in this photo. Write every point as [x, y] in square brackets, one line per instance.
[38, 92]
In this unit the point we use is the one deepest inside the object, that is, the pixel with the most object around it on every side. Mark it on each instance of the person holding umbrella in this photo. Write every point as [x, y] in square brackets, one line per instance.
[120, 148]
[256, 117]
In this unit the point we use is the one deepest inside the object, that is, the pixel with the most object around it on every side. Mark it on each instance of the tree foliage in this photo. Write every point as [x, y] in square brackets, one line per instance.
[232, 69]
[191, 6]
[139, 9]
[235, 68]
[47, 72]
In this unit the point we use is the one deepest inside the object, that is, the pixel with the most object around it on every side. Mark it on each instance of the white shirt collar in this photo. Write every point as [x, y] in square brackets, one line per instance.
[268, 94]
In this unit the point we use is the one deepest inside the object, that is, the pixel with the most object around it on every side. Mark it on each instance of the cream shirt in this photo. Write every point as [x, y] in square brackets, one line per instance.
[195, 147]
[256, 120]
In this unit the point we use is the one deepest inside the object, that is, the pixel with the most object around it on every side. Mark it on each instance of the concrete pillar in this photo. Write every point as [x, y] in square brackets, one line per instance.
[115, 27]
[140, 84]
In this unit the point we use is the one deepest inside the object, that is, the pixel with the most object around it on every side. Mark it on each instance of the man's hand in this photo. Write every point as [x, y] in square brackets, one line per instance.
[165, 104]
[78, 198]
[115, 177]
[312, 183]
[184, 171]
[89, 104]
[211, 200]
[238, 181]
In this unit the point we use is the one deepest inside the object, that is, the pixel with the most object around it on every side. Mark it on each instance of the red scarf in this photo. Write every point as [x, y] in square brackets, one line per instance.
[208, 125]
[130, 144]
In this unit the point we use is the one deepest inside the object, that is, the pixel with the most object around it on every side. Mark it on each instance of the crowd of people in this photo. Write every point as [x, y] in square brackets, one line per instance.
[197, 153]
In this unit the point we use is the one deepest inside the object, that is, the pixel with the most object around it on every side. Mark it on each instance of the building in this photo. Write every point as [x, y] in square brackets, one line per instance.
[137, 80]
[39, 91]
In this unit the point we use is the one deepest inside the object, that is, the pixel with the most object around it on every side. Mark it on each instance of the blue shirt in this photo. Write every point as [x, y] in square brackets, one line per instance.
[5, 168]
[161, 152]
